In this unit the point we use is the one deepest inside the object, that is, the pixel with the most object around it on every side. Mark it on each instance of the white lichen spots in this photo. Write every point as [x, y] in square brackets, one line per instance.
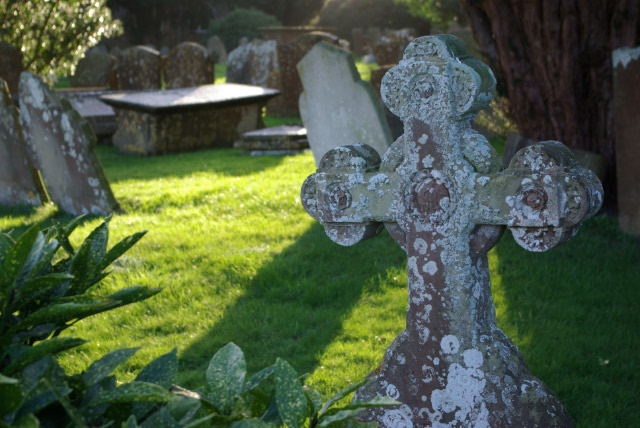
[392, 391]
[423, 139]
[510, 201]
[423, 398]
[483, 180]
[450, 344]
[463, 397]
[401, 359]
[430, 267]
[547, 179]
[45, 116]
[397, 418]
[423, 335]
[93, 182]
[472, 358]
[427, 161]
[420, 245]
[436, 361]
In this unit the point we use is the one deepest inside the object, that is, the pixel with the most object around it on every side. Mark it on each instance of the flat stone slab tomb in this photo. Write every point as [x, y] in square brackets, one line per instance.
[177, 120]
[276, 140]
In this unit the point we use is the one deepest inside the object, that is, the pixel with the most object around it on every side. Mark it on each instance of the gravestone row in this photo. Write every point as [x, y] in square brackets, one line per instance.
[51, 137]
[443, 194]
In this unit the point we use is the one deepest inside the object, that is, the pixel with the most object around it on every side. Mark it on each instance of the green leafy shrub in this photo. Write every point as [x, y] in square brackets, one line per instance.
[43, 292]
[240, 23]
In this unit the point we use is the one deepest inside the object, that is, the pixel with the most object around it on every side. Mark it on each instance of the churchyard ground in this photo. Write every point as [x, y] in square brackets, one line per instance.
[241, 261]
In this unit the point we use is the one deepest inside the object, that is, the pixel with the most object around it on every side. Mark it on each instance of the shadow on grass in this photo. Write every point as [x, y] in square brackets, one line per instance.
[295, 305]
[574, 313]
[229, 162]
[26, 216]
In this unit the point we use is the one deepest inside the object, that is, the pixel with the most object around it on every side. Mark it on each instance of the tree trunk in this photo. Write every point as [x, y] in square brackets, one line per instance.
[552, 59]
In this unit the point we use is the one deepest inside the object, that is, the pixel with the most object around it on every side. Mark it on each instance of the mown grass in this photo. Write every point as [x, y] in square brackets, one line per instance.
[241, 261]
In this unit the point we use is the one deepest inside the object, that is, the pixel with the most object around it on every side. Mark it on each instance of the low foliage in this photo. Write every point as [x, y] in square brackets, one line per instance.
[238, 24]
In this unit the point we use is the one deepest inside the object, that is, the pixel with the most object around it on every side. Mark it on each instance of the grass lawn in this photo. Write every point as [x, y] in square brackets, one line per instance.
[241, 261]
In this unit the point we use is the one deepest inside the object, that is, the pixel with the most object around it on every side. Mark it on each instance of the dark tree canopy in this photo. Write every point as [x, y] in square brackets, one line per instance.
[553, 63]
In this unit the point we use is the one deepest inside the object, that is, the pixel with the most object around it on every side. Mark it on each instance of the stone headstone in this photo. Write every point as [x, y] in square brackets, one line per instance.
[388, 48]
[254, 64]
[626, 93]
[139, 67]
[337, 107]
[96, 70]
[20, 183]
[61, 145]
[288, 57]
[10, 65]
[188, 64]
[216, 48]
[591, 161]
[277, 140]
[443, 195]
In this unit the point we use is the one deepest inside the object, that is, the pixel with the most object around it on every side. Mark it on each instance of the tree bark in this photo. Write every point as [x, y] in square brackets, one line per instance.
[552, 59]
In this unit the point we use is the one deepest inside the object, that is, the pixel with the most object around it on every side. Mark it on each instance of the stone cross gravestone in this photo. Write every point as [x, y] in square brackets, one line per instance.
[61, 145]
[188, 64]
[20, 183]
[441, 193]
[337, 107]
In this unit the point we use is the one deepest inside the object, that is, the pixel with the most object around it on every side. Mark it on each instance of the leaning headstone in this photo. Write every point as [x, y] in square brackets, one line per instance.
[337, 107]
[441, 193]
[96, 70]
[61, 145]
[139, 68]
[253, 64]
[216, 48]
[10, 65]
[100, 116]
[626, 93]
[188, 64]
[277, 140]
[288, 57]
[20, 183]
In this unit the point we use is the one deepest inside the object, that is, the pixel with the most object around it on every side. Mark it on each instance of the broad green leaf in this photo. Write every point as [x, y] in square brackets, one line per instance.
[314, 397]
[85, 263]
[61, 313]
[11, 397]
[34, 287]
[133, 392]
[103, 367]
[120, 248]
[290, 397]
[250, 423]
[257, 379]
[27, 421]
[161, 371]
[130, 423]
[5, 244]
[8, 380]
[47, 347]
[375, 402]
[340, 395]
[183, 408]
[71, 410]
[225, 376]
[327, 420]
[160, 419]
[15, 260]
[205, 421]
[134, 294]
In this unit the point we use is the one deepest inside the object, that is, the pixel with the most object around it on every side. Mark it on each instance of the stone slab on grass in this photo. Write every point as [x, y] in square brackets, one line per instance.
[61, 144]
[337, 107]
[277, 140]
[177, 120]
